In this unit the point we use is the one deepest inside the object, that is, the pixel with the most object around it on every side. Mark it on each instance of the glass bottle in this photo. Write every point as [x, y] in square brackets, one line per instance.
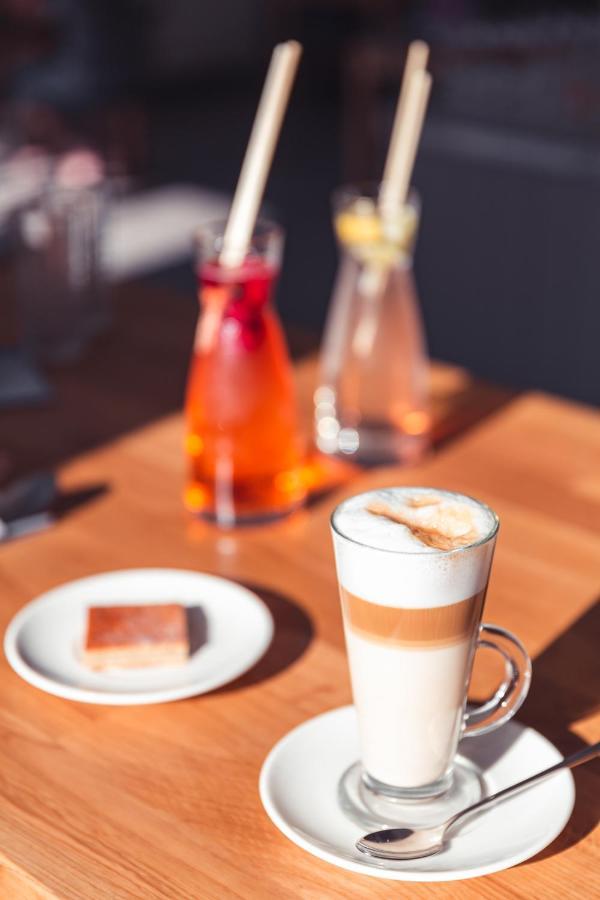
[243, 447]
[372, 400]
[62, 296]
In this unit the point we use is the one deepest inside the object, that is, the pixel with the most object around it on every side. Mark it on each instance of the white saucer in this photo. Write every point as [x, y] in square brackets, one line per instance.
[230, 629]
[299, 790]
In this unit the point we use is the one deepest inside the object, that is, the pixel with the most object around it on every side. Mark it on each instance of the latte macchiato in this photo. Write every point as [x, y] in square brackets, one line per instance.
[413, 566]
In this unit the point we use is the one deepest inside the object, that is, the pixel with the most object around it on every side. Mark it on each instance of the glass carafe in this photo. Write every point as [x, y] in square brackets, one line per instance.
[63, 302]
[243, 445]
[372, 400]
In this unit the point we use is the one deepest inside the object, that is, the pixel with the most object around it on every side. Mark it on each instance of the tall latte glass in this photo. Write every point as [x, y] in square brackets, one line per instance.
[413, 566]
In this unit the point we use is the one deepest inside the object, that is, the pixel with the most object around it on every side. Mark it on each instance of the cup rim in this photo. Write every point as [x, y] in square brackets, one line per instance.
[432, 552]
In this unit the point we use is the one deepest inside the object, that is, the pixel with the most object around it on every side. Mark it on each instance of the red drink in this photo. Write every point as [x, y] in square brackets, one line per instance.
[242, 443]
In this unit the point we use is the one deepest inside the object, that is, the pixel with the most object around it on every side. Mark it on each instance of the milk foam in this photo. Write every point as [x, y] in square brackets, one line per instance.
[382, 561]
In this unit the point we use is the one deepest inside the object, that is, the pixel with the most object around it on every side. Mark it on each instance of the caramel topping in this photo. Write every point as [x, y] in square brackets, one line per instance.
[427, 534]
[423, 500]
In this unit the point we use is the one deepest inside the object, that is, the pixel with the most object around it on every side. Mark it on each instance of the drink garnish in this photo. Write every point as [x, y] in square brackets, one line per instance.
[423, 500]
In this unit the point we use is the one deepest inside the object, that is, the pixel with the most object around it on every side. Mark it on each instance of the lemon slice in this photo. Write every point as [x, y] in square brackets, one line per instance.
[356, 228]
[373, 239]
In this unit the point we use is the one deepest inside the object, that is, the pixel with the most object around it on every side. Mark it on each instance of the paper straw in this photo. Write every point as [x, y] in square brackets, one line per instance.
[416, 61]
[394, 191]
[408, 125]
[259, 153]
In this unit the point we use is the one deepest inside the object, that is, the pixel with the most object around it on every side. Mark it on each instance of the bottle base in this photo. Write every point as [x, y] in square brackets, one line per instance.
[244, 520]
[374, 445]
[232, 512]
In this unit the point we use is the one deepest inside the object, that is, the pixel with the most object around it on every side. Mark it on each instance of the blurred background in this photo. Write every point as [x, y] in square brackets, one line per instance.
[161, 96]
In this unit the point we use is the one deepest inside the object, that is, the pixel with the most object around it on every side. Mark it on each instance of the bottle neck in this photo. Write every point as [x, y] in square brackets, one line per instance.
[234, 305]
[243, 290]
[375, 240]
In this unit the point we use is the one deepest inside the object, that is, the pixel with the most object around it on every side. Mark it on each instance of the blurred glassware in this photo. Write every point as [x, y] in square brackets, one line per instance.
[243, 444]
[23, 175]
[372, 400]
[21, 382]
[62, 301]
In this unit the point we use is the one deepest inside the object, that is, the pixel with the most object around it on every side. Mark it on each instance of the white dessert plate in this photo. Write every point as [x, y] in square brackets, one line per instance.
[299, 784]
[230, 629]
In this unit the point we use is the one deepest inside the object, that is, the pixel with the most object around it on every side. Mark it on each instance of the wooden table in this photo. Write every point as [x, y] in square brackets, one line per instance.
[162, 802]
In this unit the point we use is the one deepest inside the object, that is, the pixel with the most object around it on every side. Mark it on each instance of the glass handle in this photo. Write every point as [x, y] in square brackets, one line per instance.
[511, 693]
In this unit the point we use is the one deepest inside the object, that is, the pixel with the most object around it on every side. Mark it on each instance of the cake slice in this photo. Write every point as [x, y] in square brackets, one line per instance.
[130, 637]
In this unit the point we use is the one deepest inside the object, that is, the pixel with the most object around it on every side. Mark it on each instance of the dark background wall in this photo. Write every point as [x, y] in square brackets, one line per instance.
[507, 264]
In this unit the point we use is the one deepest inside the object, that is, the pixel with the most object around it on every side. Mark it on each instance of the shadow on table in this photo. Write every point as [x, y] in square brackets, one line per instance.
[553, 710]
[292, 636]
[197, 627]
[121, 378]
[71, 500]
[484, 751]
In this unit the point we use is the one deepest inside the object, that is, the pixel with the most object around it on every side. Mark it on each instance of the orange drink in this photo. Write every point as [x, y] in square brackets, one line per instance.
[242, 442]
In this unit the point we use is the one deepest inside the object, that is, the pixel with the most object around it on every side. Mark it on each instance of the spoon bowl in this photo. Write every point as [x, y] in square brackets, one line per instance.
[402, 843]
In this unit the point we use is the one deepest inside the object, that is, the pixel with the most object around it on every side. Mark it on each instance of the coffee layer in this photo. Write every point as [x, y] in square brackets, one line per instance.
[438, 626]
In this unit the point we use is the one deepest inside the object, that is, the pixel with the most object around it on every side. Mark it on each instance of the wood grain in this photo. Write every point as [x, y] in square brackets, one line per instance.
[162, 802]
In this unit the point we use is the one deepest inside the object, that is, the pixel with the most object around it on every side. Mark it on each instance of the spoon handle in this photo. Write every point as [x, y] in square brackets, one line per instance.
[569, 762]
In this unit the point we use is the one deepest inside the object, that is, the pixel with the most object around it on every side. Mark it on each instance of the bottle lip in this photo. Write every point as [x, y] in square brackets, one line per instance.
[346, 194]
[213, 231]
[266, 243]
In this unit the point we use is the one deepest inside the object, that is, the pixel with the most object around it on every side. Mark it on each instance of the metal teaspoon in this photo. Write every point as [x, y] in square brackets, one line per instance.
[409, 843]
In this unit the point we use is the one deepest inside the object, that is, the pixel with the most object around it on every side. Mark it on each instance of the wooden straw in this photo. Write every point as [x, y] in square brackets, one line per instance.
[259, 153]
[408, 125]
[394, 191]
[416, 61]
